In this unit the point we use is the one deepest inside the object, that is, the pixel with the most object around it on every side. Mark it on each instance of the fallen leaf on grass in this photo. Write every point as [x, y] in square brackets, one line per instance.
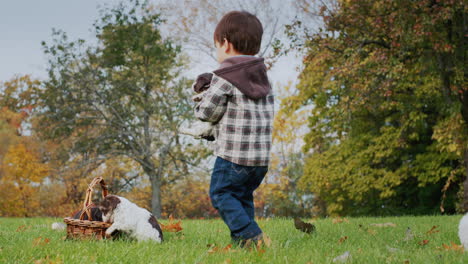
[342, 258]
[339, 220]
[452, 247]
[343, 239]
[48, 260]
[214, 249]
[171, 227]
[384, 225]
[433, 230]
[38, 241]
[406, 262]
[22, 228]
[424, 242]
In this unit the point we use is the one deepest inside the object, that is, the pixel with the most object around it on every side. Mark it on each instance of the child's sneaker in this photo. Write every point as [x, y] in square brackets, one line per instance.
[199, 130]
[258, 241]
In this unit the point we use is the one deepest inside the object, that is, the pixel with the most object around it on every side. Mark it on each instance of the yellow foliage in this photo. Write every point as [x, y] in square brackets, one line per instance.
[450, 135]
[22, 165]
[22, 174]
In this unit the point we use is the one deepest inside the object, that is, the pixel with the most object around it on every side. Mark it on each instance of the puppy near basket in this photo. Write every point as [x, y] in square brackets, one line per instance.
[127, 217]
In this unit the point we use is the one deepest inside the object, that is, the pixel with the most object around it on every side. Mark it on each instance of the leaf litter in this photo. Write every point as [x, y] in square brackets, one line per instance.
[172, 226]
[39, 241]
[452, 247]
[433, 230]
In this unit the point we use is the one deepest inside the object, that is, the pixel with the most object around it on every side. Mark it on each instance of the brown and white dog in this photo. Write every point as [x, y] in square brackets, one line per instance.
[127, 217]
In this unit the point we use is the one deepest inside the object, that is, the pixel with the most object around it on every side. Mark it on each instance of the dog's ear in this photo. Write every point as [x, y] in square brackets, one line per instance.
[112, 201]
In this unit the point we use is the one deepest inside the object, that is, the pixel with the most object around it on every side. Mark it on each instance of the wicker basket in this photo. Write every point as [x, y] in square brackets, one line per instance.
[79, 228]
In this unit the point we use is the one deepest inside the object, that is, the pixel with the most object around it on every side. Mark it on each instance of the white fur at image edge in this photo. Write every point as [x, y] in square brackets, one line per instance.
[463, 231]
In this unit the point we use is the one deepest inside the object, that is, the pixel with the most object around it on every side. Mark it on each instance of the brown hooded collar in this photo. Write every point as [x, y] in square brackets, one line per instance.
[246, 73]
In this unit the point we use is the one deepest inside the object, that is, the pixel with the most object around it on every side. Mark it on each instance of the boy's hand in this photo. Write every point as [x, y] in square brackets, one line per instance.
[197, 98]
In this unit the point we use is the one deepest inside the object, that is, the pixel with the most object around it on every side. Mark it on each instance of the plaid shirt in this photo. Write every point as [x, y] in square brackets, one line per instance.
[243, 126]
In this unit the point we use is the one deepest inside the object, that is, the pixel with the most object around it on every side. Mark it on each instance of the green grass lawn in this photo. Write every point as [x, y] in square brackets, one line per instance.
[33, 241]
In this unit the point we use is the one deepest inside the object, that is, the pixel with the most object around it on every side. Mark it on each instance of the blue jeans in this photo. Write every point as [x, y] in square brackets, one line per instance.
[231, 193]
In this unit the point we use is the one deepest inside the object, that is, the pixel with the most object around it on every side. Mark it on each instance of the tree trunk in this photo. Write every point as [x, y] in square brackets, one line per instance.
[465, 183]
[156, 207]
[155, 179]
[150, 170]
[464, 113]
[320, 207]
[155, 176]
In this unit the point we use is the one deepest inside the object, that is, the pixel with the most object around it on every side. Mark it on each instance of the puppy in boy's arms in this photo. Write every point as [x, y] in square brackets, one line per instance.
[127, 217]
[200, 129]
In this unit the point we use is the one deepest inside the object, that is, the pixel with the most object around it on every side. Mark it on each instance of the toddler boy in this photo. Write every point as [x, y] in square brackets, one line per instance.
[240, 105]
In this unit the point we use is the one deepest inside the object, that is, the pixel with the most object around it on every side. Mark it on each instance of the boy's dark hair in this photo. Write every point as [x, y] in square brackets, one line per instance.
[242, 29]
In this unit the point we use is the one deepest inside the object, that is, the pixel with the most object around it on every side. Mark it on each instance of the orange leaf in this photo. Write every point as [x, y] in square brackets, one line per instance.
[433, 230]
[424, 242]
[171, 226]
[227, 248]
[38, 241]
[453, 247]
[215, 249]
[343, 239]
[21, 228]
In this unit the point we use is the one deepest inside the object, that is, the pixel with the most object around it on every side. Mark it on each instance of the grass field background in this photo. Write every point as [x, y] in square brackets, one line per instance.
[31, 240]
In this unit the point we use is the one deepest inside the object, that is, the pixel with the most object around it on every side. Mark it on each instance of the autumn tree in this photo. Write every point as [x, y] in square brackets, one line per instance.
[10, 123]
[385, 83]
[22, 168]
[19, 93]
[279, 194]
[121, 97]
[23, 173]
[18, 97]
